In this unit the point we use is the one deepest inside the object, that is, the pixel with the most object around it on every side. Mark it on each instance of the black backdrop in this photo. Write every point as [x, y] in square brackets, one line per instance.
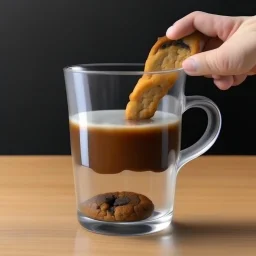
[40, 37]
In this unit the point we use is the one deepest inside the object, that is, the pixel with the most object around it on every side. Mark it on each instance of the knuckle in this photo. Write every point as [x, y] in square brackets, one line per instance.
[212, 62]
[233, 64]
[196, 13]
[221, 63]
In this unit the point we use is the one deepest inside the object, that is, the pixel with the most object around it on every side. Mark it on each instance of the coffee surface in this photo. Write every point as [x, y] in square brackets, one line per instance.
[108, 143]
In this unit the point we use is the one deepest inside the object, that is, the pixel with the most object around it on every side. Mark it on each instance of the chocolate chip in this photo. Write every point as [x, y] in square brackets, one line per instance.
[121, 201]
[166, 45]
[105, 198]
[111, 210]
[181, 44]
[175, 43]
[110, 200]
[135, 199]
[113, 202]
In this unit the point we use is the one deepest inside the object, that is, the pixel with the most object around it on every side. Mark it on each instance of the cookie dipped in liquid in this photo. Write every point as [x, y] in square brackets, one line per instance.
[107, 143]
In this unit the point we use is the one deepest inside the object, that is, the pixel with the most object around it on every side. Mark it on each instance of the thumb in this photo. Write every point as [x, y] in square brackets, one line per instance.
[235, 56]
[204, 63]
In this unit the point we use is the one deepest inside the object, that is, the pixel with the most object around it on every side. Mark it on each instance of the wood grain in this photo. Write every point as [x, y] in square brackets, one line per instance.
[215, 211]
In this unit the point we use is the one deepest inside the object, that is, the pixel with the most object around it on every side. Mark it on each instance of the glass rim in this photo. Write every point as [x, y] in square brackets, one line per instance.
[81, 68]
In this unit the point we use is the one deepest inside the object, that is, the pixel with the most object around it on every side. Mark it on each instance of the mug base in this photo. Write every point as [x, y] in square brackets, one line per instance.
[138, 228]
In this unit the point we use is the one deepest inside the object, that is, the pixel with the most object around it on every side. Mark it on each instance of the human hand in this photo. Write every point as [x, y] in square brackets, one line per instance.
[229, 53]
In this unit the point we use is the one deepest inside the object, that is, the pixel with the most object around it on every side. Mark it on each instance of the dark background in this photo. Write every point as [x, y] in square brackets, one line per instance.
[39, 38]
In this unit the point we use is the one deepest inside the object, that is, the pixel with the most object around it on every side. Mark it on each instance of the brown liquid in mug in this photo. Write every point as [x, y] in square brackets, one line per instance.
[107, 143]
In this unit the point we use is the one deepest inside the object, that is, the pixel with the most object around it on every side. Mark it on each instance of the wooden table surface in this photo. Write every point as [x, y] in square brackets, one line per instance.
[215, 211]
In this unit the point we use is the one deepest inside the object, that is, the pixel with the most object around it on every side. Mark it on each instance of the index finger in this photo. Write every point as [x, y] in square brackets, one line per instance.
[210, 25]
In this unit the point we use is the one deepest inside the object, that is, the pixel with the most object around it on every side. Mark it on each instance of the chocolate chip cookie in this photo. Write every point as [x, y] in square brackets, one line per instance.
[165, 54]
[118, 206]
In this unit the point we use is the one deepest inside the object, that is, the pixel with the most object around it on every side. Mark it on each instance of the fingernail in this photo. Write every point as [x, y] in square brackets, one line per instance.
[169, 31]
[189, 65]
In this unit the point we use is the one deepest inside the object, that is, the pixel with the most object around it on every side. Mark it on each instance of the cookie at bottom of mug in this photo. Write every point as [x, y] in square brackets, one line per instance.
[118, 206]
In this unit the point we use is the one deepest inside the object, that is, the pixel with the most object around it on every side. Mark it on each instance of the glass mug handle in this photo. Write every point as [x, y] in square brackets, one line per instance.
[211, 133]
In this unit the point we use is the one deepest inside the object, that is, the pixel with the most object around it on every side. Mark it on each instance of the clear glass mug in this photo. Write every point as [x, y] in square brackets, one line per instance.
[113, 155]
